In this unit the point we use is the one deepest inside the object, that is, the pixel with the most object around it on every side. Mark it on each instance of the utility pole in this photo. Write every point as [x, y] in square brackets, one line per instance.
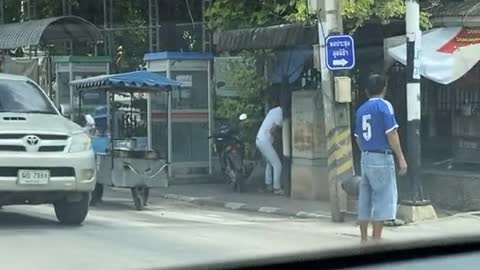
[336, 115]
[416, 208]
[153, 31]
[412, 21]
[206, 37]
[108, 27]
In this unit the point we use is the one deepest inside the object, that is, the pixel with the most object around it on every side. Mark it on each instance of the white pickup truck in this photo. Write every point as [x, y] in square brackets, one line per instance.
[44, 157]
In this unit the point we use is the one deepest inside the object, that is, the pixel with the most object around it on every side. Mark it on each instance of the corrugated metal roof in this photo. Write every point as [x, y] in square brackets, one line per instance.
[271, 37]
[137, 79]
[46, 31]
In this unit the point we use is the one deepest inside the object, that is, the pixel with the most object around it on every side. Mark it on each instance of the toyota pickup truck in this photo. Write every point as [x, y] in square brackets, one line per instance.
[44, 157]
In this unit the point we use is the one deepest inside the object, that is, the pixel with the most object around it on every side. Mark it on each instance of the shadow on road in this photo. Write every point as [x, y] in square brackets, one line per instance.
[113, 204]
[15, 220]
[121, 204]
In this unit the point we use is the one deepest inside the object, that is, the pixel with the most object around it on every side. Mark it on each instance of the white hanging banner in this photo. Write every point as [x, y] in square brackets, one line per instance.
[446, 53]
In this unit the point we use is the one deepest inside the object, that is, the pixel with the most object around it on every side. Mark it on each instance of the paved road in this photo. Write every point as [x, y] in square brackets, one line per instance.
[167, 234]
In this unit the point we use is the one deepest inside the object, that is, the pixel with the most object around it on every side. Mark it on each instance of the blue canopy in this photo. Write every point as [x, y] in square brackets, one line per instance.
[138, 79]
[100, 112]
[291, 64]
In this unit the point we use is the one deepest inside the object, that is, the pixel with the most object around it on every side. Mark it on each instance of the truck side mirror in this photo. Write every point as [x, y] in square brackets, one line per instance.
[90, 121]
[65, 109]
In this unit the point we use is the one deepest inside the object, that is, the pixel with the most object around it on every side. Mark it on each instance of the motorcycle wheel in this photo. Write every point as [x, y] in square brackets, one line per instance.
[240, 185]
[231, 176]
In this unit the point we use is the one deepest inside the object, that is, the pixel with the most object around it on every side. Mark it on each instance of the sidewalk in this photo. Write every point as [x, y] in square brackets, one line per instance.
[219, 195]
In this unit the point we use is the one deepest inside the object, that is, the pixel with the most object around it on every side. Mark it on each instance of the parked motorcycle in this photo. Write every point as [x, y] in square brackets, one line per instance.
[230, 150]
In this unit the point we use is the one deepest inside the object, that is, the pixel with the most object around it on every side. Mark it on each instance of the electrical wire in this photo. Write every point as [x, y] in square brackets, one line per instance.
[190, 13]
[470, 11]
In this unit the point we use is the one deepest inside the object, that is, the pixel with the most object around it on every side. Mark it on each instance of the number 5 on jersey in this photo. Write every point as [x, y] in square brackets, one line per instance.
[366, 127]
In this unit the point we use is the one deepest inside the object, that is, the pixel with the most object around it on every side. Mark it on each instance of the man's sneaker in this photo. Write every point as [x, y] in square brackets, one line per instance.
[267, 189]
[394, 223]
[279, 192]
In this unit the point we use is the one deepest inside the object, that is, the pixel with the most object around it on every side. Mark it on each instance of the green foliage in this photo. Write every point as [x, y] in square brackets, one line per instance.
[357, 12]
[234, 14]
[127, 14]
[134, 41]
[11, 11]
[250, 101]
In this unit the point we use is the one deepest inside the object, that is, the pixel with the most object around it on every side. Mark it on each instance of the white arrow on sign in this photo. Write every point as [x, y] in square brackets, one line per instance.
[341, 62]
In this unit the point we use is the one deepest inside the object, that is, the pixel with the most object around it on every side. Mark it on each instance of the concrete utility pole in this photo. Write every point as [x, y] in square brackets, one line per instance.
[336, 115]
[417, 208]
[412, 21]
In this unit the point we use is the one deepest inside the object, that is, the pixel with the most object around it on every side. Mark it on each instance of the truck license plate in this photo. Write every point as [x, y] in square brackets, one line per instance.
[33, 177]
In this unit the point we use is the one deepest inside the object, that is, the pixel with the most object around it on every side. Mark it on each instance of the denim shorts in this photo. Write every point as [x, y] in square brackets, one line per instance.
[378, 188]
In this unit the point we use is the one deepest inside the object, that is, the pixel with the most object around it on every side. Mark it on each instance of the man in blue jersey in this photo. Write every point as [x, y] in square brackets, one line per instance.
[377, 138]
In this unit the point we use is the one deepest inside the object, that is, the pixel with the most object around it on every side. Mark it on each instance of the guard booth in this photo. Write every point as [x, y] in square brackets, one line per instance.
[70, 68]
[192, 116]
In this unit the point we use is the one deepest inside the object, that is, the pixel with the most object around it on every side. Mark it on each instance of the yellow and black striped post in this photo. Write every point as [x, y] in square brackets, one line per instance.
[340, 167]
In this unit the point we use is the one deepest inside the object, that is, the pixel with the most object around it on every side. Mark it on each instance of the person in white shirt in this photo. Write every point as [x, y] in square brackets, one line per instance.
[264, 142]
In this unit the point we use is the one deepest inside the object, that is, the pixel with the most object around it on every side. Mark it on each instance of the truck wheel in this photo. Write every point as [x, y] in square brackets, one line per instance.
[72, 212]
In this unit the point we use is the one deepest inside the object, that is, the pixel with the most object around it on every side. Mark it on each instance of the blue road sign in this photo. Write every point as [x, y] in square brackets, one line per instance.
[340, 52]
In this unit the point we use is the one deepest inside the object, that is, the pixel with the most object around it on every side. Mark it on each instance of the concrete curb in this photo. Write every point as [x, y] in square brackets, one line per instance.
[244, 207]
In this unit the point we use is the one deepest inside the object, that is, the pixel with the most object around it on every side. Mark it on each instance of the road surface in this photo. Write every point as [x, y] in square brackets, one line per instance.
[169, 233]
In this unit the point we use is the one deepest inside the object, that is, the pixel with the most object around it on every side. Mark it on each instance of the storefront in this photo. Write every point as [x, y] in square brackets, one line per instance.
[450, 113]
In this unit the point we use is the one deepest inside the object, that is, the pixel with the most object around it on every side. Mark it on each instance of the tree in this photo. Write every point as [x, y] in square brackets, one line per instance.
[234, 14]
[130, 15]
[356, 13]
[250, 100]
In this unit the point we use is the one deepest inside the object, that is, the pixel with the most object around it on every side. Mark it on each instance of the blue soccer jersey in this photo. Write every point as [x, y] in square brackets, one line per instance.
[373, 121]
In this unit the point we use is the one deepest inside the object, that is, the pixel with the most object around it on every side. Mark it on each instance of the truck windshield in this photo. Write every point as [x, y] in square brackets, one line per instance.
[23, 96]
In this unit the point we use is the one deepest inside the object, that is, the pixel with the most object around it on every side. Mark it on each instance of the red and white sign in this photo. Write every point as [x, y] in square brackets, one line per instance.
[447, 53]
[465, 38]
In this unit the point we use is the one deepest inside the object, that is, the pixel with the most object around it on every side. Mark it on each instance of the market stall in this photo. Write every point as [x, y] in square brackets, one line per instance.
[125, 161]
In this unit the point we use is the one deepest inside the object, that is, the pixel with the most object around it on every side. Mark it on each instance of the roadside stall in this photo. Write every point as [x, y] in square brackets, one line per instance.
[123, 139]
[450, 113]
[450, 92]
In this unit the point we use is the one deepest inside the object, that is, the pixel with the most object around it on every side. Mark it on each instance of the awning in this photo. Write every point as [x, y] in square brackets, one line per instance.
[271, 37]
[291, 64]
[47, 31]
[141, 80]
[447, 53]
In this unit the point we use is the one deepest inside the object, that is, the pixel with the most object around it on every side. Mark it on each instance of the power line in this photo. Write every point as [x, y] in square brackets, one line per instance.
[190, 13]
